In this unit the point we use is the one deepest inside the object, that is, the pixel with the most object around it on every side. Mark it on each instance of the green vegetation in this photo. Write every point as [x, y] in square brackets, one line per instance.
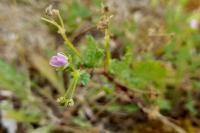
[123, 75]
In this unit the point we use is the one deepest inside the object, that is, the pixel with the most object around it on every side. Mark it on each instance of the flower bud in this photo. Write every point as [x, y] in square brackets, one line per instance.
[70, 102]
[61, 101]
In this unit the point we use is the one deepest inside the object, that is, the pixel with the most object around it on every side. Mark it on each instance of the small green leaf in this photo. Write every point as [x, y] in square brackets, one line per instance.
[84, 78]
[92, 55]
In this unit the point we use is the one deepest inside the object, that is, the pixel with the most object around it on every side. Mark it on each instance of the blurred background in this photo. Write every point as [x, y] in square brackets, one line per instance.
[155, 45]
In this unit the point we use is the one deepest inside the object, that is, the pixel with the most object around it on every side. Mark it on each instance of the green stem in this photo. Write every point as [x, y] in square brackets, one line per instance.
[107, 48]
[69, 44]
[61, 20]
[51, 22]
[72, 67]
[69, 88]
[61, 30]
[74, 87]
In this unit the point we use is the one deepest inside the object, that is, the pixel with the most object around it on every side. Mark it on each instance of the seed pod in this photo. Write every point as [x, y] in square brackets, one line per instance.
[49, 11]
[103, 23]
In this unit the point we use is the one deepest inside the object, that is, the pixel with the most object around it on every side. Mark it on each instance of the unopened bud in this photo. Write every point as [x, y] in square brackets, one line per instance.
[61, 101]
[70, 102]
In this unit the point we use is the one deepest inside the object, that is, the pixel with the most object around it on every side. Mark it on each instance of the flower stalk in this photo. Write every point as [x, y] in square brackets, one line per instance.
[61, 30]
[76, 75]
[60, 62]
[67, 99]
[102, 25]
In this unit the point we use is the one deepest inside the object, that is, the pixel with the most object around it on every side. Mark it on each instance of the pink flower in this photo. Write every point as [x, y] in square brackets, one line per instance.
[194, 24]
[59, 60]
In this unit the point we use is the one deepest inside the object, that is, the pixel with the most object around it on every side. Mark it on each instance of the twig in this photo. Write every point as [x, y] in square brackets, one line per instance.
[155, 114]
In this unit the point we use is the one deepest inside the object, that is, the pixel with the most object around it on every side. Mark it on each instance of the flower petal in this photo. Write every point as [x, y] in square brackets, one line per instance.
[60, 60]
